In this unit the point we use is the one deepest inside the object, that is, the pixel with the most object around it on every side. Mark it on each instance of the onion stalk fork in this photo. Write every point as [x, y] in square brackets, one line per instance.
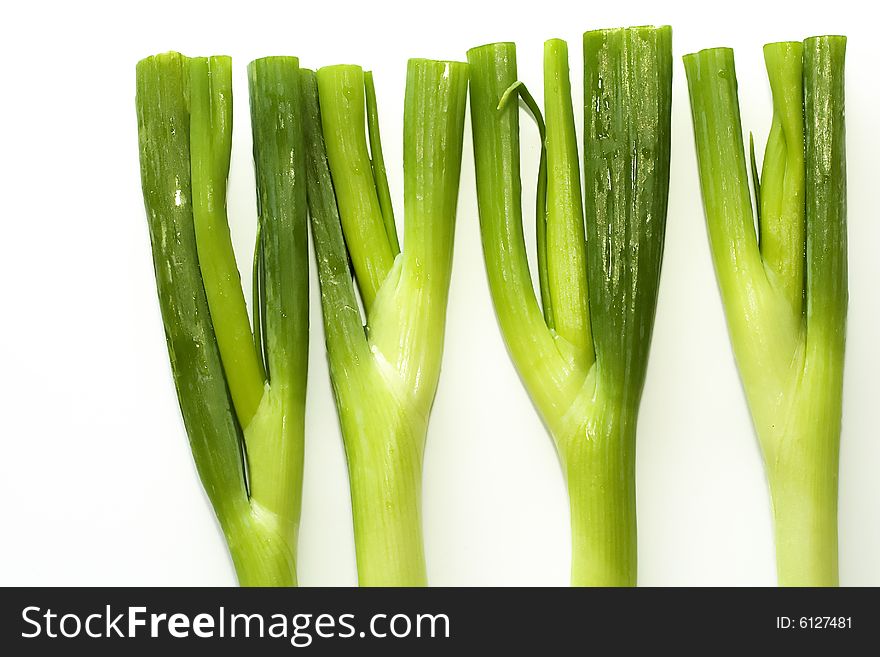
[784, 283]
[582, 352]
[241, 391]
[384, 371]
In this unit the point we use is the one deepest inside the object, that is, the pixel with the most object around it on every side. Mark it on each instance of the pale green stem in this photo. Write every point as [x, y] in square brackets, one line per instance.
[599, 463]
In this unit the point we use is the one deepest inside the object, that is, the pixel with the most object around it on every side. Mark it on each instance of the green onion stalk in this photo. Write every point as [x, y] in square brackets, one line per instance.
[782, 271]
[241, 389]
[582, 351]
[384, 367]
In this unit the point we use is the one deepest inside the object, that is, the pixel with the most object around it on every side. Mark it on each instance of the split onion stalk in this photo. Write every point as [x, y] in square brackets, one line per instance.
[241, 391]
[784, 283]
[384, 369]
[582, 353]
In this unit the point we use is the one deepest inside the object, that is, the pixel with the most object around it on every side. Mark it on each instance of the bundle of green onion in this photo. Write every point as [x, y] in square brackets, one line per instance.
[580, 345]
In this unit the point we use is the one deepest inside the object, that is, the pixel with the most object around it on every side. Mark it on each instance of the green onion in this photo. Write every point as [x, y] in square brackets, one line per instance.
[241, 393]
[384, 374]
[582, 352]
[784, 283]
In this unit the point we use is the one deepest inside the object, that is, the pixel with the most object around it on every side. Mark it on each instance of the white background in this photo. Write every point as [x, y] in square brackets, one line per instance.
[98, 485]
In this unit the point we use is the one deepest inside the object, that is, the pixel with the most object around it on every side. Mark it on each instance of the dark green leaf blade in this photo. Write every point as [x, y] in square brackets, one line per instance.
[279, 160]
[627, 102]
[825, 136]
[214, 434]
[343, 325]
